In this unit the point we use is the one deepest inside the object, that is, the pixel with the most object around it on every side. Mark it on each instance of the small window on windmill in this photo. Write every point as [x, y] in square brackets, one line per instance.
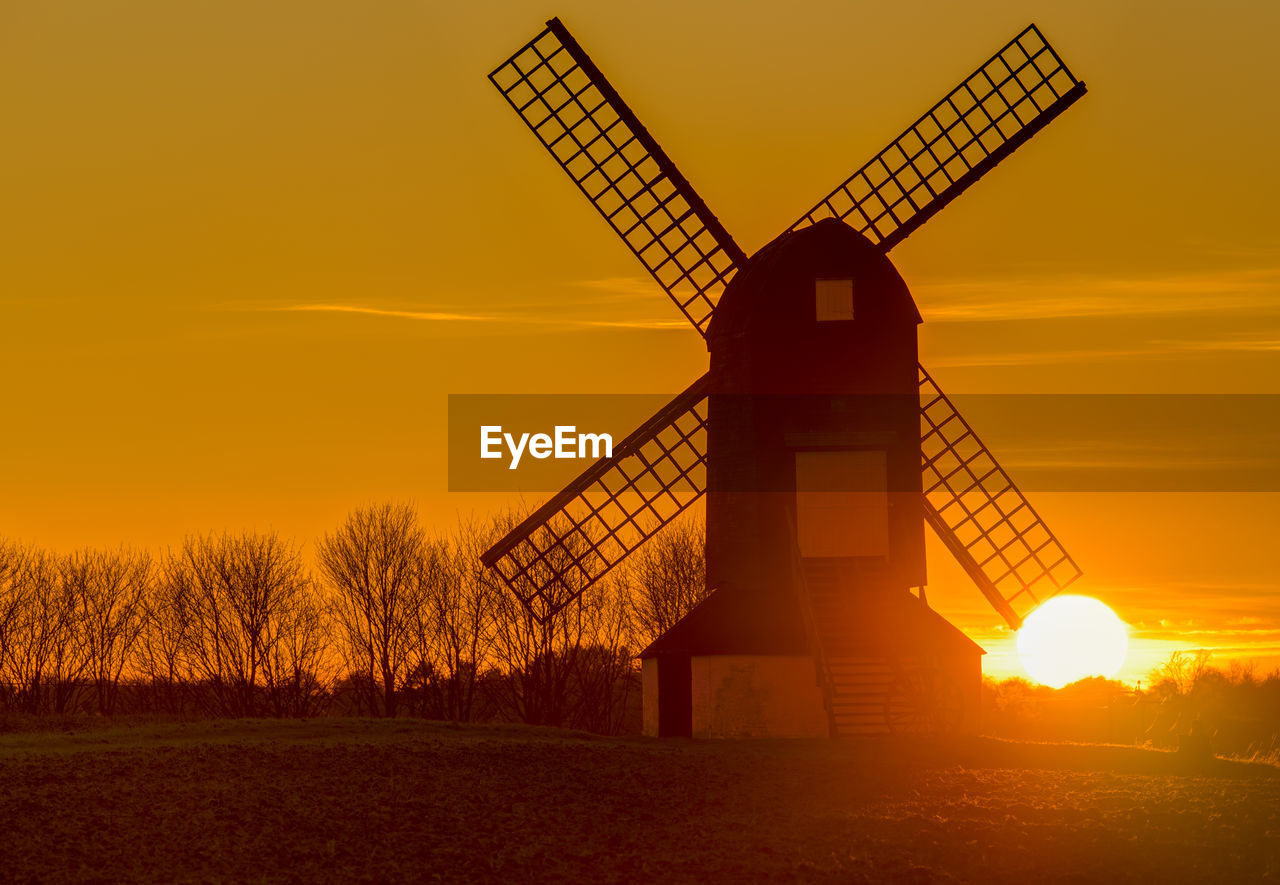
[833, 300]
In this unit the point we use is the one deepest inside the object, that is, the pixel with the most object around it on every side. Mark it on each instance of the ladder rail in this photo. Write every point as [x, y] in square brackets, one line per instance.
[800, 587]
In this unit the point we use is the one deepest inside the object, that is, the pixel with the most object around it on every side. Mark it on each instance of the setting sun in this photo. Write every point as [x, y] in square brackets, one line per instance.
[1070, 638]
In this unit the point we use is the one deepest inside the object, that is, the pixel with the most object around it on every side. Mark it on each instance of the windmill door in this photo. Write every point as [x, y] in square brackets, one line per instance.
[675, 695]
[842, 504]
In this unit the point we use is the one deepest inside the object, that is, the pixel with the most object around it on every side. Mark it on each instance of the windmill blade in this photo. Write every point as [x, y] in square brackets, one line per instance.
[992, 113]
[982, 517]
[612, 508]
[581, 120]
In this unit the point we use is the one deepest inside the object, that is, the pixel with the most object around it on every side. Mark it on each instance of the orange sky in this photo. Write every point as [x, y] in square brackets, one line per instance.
[191, 189]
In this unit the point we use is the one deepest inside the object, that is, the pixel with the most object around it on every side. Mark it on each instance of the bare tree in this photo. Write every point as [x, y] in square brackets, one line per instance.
[373, 563]
[1184, 669]
[463, 611]
[14, 591]
[297, 665]
[46, 655]
[605, 674]
[668, 577]
[108, 591]
[239, 595]
[161, 658]
[452, 623]
[569, 658]
[559, 658]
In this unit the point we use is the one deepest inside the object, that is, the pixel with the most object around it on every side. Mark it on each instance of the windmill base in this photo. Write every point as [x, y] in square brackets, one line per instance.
[732, 696]
[740, 666]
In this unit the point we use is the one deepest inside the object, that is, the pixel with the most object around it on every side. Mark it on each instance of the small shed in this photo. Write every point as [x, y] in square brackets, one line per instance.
[742, 664]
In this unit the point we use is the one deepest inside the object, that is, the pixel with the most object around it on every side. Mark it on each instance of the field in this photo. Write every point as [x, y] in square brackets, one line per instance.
[364, 800]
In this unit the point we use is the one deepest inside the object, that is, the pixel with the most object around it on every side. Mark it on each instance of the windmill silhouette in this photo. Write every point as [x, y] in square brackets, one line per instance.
[822, 444]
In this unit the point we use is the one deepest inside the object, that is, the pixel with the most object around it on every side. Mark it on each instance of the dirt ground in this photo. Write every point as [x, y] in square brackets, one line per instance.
[345, 800]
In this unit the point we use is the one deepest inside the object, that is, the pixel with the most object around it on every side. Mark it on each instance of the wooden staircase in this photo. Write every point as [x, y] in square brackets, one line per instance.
[857, 686]
[871, 682]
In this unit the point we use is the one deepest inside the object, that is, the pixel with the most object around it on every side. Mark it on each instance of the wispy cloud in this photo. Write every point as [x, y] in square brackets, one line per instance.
[1238, 345]
[1033, 357]
[1172, 464]
[1102, 296]
[1267, 342]
[511, 319]
[623, 288]
[429, 316]
[667, 325]
[979, 300]
[956, 301]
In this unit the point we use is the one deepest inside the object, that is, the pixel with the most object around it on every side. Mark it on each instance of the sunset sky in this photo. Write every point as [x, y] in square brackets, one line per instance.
[247, 251]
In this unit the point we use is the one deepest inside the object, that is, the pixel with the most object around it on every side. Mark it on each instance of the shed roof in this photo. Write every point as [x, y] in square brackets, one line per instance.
[732, 621]
[735, 621]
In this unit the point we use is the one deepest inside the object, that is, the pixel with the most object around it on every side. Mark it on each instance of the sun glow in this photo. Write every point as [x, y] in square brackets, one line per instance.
[1070, 638]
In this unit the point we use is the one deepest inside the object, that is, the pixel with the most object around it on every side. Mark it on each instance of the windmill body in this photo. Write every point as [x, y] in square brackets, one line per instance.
[813, 377]
[813, 455]
[822, 445]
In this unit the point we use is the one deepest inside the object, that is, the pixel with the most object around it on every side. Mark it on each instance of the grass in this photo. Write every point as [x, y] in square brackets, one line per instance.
[351, 800]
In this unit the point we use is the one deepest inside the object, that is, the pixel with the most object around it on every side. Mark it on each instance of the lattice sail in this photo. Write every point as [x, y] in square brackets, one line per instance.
[986, 118]
[612, 508]
[581, 120]
[982, 517]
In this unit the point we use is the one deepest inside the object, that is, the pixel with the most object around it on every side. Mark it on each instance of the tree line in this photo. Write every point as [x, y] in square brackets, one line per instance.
[1235, 710]
[386, 620]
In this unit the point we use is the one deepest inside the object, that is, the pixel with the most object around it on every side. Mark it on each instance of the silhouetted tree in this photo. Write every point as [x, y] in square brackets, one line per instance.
[244, 599]
[605, 674]
[452, 622]
[373, 563]
[668, 577]
[1184, 669]
[161, 656]
[535, 646]
[298, 666]
[15, 588]
[46, 655]
[560, 658]
[108, 590]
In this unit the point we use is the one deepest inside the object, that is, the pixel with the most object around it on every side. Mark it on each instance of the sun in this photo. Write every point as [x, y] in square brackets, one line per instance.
[1070, 638]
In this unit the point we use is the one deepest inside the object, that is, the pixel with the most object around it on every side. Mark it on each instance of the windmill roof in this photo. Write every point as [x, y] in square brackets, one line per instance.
[762, 293]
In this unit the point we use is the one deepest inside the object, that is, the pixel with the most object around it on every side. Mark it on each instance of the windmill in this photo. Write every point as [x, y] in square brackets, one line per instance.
[820, 442]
